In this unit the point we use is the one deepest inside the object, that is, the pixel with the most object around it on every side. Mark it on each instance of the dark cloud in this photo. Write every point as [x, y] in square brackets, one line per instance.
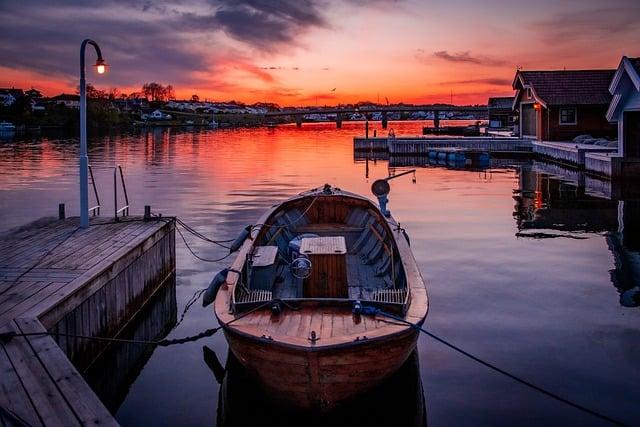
[267, 24]
[145, 40]
[466, 57]
[45, 38]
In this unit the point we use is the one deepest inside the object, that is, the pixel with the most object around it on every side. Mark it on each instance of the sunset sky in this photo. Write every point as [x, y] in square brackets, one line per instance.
[295, 52]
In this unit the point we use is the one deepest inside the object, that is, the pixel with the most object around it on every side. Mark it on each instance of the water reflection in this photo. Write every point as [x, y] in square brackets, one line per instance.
[399, 401]
[112, 373]
[566, 201]
[543, 308]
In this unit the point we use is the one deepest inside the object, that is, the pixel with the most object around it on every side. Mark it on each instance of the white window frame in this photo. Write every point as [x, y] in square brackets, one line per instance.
[575, 116]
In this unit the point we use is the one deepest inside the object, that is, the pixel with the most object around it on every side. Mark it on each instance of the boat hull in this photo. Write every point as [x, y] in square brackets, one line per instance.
[317, 378]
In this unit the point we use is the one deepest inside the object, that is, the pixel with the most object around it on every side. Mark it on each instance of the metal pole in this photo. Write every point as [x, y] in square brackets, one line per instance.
[115, 193]
[84, 159]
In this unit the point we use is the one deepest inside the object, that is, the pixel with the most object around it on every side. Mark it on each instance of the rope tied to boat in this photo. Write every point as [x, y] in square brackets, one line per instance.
[359, 308]
[5, 337]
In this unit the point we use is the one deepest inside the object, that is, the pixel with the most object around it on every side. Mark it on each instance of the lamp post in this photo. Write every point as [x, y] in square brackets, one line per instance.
[101, 67]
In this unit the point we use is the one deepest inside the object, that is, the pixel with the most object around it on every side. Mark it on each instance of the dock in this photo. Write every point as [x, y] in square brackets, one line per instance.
[58, 278]
[422, 145]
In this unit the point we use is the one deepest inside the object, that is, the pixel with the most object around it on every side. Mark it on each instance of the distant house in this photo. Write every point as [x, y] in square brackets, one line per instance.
[560, 105]
[37, 105]
[68, 100]
[625, 106]
[33, 93]
[159, 115]
[9, 96]
[501, 113]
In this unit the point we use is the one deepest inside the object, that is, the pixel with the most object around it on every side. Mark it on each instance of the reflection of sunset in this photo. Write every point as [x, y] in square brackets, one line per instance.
[226, 166]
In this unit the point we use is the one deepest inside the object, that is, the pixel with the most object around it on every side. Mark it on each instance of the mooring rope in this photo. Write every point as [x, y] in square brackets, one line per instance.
[376, 311]
[5, 337]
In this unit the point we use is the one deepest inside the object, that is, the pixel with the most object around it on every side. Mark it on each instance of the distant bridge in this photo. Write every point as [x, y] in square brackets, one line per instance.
[298, 114]
[384, 109]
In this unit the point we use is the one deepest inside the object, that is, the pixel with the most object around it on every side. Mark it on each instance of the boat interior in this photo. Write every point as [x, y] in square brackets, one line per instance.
[324, 248]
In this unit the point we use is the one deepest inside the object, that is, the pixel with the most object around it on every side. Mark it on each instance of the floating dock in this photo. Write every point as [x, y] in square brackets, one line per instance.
[58, 278]
[422, 145]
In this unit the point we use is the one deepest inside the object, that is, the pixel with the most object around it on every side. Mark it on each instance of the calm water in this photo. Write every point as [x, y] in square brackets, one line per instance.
[523, 270]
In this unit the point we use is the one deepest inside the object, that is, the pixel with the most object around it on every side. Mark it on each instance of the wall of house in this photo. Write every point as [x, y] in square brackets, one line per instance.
[591, 120]
[542, 124]
[523, 99]
[631, 103]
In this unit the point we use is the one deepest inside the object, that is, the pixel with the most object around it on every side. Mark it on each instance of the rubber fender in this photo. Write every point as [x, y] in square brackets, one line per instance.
[212, 291]
[240, 239]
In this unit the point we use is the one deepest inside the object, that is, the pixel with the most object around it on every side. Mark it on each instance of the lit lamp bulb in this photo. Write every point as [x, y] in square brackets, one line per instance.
[101, 66]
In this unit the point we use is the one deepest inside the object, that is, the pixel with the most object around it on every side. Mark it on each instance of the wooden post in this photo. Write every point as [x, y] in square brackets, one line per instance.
[147, 212]
[61, 213]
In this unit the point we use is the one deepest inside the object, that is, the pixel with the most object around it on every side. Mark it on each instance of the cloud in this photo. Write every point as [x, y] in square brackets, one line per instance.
[319, 97]
[267, 24]
[620, 18]
[493, 81]
[174, 41]
[466, 57]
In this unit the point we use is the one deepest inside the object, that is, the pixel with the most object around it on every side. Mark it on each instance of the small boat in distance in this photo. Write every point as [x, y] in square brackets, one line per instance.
[289, 305]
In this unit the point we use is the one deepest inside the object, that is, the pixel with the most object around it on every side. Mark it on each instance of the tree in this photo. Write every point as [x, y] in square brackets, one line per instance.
[195, 98]
[157, 92]
[94, 93]
[168, 93]
[114, 93]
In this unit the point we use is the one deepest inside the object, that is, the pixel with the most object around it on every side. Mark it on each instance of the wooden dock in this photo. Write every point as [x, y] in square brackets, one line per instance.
[58, 278]
[422, 145]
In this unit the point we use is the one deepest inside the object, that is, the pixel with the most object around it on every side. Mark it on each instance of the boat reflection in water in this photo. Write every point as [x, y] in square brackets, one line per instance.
[116, 369]
[398, 401]
[555, 203]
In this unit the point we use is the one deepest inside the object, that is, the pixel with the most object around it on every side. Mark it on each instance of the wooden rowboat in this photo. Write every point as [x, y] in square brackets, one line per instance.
[287, 305]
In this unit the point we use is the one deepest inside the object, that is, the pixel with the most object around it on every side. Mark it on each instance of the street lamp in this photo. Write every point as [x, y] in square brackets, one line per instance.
[101, 68]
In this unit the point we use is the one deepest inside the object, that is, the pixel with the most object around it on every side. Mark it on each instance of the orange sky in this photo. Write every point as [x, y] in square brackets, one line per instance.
[295, 52]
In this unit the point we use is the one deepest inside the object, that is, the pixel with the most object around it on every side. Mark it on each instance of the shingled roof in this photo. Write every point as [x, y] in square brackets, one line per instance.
[571, 87]
[500, 103]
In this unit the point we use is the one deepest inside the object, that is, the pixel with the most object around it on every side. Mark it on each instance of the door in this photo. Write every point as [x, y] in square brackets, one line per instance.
[631, 134]
[528, 120]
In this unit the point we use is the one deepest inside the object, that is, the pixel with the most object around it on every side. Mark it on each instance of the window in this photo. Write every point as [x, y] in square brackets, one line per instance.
[568, 116]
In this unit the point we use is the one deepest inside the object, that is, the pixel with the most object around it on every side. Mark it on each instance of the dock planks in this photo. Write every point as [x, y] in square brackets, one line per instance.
[53, 273]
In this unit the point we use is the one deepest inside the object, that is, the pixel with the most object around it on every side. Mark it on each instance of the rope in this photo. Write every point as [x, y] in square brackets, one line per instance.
[7, 336]
[202, 236]
[195, 254]
[374, 311]
[194, 298]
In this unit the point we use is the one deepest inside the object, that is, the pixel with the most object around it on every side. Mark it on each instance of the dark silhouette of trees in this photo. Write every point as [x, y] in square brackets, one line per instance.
[157, 92]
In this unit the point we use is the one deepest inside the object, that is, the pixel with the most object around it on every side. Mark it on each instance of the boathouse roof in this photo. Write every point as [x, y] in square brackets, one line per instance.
[566, 87]
[624, 84]
[500, 103]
